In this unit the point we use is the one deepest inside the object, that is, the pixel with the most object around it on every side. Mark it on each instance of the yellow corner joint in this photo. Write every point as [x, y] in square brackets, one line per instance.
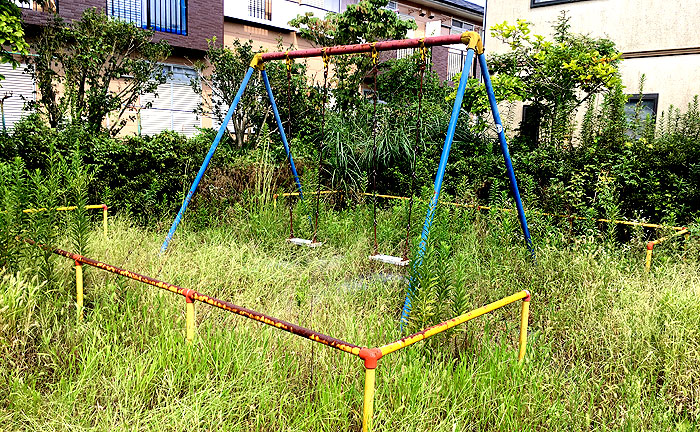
[524, 318]
[79, 288]
[473, 41]
[368, 403]
[257, 62]
[189, 326]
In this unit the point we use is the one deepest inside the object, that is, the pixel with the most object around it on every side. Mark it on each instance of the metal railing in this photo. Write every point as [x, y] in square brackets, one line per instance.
[71, 208]
[169, 16]
[370, 356]
[651, 244]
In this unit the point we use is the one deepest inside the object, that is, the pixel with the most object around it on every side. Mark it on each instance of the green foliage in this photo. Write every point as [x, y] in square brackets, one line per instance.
[555, 76]
[101, 66]
[366, 21]
[11, 33]
[228, 67]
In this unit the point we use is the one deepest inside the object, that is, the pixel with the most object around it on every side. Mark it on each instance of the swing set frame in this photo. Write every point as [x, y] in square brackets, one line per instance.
[474, 46]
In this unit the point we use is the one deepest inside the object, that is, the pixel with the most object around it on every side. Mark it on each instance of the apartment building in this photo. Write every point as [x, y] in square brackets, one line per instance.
[659, 39]
[266, 21]
[184, 24]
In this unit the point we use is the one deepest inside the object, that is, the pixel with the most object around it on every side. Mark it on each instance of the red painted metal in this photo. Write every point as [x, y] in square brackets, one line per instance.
[650, 245]
[221, 304]
[370, 356]
[365, 47]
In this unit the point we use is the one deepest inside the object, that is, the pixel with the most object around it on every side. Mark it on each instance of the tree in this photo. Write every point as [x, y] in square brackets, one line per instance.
[220, 77]
[556, 76]
[366, 21]
[11, 33]
[102, 66]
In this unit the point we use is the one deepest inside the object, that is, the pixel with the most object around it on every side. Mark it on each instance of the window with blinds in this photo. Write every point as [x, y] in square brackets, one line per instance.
[173, 108]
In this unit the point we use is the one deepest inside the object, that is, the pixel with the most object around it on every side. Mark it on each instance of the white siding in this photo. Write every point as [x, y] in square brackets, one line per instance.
[19, 87]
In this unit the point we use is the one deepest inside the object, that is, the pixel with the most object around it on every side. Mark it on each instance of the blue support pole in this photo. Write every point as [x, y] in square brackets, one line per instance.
[506, 154]
[282, 134]
[203, 168]
[438, 181]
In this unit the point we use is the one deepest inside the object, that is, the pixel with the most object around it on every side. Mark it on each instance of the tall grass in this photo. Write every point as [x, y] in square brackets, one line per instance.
[610, 347]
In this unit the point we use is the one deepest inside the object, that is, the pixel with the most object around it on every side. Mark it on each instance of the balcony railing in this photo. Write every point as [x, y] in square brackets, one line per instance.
[47, 6]
[168, 16]
[261, 9]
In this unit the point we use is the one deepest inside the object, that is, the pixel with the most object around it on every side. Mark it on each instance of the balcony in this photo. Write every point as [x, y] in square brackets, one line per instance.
[169, 16]
[276, 13]
[49, 6]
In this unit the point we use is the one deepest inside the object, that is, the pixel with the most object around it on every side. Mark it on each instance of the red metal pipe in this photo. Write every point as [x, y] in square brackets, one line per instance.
[365, 47]
[191, 294]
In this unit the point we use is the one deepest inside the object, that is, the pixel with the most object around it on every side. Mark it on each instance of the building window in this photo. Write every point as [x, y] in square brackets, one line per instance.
[539, 3]
[530, 124]
[392, 5]
[459, 26]
[639, 109]
[173, 108]
[261, 9]
[169, 16]
[647, 103]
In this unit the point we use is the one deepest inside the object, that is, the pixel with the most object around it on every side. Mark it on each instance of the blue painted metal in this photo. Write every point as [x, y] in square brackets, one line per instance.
[282, 134]
[506, 154]
[203, 168]
[418, 261]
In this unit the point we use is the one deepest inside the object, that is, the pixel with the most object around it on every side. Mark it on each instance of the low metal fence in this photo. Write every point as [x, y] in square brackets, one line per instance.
[370, 356]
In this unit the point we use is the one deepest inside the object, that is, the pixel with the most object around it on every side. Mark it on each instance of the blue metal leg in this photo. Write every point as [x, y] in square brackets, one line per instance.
[203, 168]
[506, 155]
[282, 134]
[438, 182]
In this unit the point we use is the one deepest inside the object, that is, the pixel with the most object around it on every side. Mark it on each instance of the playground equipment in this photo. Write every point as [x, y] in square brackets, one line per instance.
[651, 244]
[474, 44]
[103, 207]
[370, 356]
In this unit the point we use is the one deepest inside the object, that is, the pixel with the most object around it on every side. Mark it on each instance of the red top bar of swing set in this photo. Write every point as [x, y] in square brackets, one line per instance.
[471, 39]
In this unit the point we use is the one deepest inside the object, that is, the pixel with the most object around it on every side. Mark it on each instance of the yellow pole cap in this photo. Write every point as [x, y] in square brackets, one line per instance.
[473, 41]
[257, 62]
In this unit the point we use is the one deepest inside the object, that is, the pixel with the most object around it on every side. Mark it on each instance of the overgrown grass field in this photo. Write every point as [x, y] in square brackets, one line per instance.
[610, 347]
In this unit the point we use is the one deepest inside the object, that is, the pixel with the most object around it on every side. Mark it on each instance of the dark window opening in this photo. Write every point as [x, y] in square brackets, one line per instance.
[640, 109]
[530, 124]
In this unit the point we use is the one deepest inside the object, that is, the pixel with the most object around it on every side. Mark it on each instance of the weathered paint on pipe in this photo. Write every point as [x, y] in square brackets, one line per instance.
[189, 322]
[446, 325]
[79, 288]
[437, 186]
[207, 158]
[221, 304]
[651, 244]
[368, 400]
[104, 219]
[524, 318]
[506, 154]
[364, 48]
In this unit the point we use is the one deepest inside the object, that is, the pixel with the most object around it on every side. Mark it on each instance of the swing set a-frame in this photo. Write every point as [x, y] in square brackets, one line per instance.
[474, 46]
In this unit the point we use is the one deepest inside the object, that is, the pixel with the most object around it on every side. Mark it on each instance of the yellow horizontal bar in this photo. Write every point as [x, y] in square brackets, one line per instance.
[288, 194]
[439, 328]
[663, 239]
[68, 208]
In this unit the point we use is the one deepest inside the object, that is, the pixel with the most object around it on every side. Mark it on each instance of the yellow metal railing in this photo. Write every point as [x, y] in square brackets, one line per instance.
[370, 355]
[651, 244]
[71, 208]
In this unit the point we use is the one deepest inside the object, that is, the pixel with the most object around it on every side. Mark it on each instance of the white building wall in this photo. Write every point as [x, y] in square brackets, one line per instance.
[635, 26]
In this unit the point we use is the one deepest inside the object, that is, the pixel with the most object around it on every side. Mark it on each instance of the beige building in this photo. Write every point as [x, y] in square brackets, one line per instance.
[658, 38]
